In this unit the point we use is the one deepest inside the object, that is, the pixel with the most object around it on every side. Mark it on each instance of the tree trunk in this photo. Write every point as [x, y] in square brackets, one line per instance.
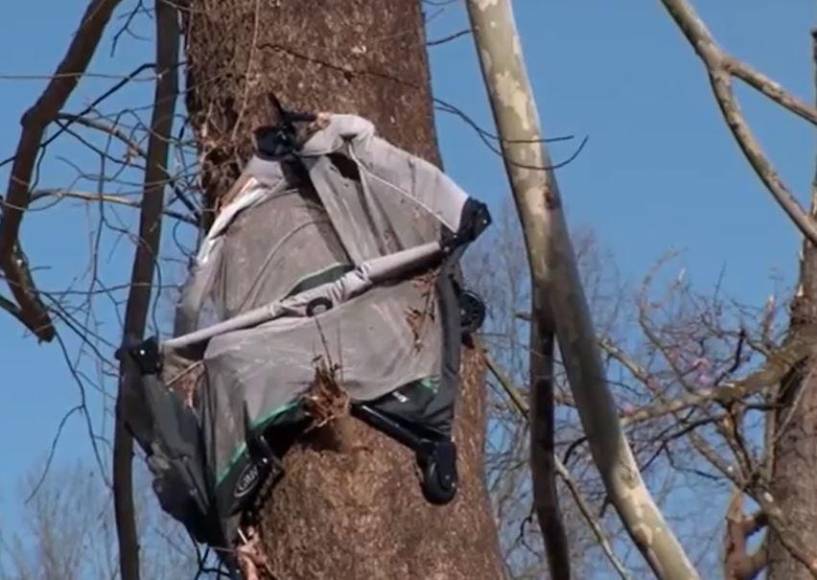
[794, 472]
[794, 462]
[350, 505]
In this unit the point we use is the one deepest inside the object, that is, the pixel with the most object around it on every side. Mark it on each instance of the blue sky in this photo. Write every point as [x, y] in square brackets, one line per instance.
[660, 171]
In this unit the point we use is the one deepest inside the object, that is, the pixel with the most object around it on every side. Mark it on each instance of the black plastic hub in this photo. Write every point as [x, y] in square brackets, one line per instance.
[438, 461]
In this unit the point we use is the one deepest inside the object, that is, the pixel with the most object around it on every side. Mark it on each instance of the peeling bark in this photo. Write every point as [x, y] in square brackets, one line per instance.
[739, 564]
[559, 301]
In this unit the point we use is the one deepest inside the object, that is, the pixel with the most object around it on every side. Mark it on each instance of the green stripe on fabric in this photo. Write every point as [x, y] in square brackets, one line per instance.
[262, 423]
[431, 383]
[329, 274]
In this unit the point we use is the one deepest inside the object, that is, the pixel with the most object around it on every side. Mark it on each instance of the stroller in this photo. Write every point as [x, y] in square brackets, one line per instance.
[334, 262]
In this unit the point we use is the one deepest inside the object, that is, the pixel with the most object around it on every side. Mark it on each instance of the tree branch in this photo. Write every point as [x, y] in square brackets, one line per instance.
[523, 409]
[517, 145]
[513, 393]
[796, 347]
[448, 38]
[34, 122]
[11, 308]
[771, 89]
[133, 147]
[779, 363]
[115, 199]
[591, 519]
[147, 251]
[558, 297]
[721, 67]
[738, 563]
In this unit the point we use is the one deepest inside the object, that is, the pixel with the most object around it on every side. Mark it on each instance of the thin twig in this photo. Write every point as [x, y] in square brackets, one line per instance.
[448, 38]
[522, 408]
[89, 196]
[591, 519]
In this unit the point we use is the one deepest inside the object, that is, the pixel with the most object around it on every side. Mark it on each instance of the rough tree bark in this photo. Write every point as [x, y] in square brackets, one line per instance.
[794, 473]
[350, 504]
[559, 305]
[789, 501]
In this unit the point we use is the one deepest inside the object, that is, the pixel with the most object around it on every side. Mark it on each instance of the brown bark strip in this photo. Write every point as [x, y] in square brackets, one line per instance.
[11, 308]
[34, 122]
[144, 265]
[739, 564]
[542, 436]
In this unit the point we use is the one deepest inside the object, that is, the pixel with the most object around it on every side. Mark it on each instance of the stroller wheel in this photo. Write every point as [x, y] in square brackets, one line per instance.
[439, 467]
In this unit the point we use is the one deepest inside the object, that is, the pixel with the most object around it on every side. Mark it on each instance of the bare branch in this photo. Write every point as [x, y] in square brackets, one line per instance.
[513, 393]
[779, 364]
[558, 298]
[523, 409]
[721, 67]
[771, 89]
[147, 251]
[542, 331]
[116, 199]
[591, 519]
[448, 38]
[11, 308]
[34, 122]
[133, 147]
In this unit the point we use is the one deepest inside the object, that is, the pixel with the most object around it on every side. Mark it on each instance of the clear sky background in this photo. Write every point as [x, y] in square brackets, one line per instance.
[660, 171]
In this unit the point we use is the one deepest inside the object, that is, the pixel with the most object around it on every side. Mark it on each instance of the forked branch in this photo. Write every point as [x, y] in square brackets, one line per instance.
[739, 564]
[721, 68]
[12, 260]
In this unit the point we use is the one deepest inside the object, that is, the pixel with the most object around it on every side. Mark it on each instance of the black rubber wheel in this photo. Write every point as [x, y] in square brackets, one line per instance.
[439, 483]
[436, 491]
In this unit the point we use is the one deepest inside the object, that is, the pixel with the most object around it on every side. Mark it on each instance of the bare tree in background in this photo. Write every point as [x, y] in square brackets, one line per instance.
[712, 395]
[781, 475]
[70, 533]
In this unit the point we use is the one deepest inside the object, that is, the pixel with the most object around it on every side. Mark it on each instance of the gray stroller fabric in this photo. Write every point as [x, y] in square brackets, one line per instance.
[336, 240]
